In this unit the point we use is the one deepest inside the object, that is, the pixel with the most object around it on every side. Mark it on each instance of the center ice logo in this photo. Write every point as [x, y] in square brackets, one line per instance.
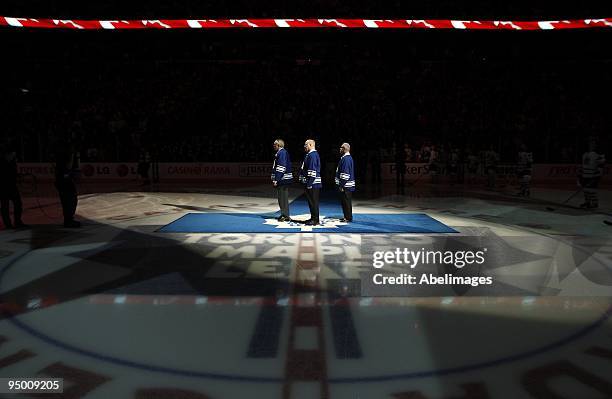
[325, 223]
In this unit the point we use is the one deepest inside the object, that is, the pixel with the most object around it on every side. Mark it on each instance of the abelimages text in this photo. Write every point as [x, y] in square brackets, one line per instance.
[412, 259]
[430, 279]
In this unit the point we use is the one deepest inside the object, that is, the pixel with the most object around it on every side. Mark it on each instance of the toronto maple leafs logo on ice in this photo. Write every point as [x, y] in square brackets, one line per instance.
[325, 223]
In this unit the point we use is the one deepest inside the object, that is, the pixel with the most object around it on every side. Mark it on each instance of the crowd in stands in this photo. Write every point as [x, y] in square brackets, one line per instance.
[210, 101]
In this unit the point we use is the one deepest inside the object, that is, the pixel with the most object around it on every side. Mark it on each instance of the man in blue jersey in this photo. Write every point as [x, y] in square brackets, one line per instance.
[310, 176]
[345, 180]
[282, 178]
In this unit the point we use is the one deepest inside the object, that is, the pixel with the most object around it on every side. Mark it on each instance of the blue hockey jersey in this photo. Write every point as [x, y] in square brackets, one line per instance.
[310, 173]
[281, 168]
[345, 173]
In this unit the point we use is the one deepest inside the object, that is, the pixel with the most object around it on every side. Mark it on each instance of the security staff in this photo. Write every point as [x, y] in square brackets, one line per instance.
[310, 176]
[282, 178]
[345, 180]
[66, 171]
[9, 192]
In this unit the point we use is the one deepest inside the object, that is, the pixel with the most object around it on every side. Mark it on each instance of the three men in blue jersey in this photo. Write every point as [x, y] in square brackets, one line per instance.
[282, 178]
[310, 177]
[345, 180]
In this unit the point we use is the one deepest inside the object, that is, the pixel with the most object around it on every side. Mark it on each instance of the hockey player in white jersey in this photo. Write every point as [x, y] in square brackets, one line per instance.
[590, 174]
[524, 167]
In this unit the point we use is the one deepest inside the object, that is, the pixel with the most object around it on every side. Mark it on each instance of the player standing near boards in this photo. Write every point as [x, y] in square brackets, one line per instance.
[310, 176]
[345, 180]
[524, 167]
[282, 178]
[400, 166]
[66, 171]
[590, 174]
[9, 192]
[491, 158]
[144, 165]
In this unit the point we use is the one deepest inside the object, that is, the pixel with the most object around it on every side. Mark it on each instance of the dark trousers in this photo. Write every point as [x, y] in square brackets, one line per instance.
[68, 198]
[589, 188]
[143, 170]
[376, 173]
[282, 192]
[347, 204]
[155, 171]
[312, 196]
[11, 195]
[399, 179]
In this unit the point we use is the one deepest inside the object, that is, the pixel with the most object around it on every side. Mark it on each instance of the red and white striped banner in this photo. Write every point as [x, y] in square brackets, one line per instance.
[342, 23]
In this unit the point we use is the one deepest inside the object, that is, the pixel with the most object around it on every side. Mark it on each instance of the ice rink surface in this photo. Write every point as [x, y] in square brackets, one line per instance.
[121, 310]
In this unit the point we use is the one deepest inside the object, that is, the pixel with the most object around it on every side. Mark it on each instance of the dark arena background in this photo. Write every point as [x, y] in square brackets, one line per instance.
[144, 253]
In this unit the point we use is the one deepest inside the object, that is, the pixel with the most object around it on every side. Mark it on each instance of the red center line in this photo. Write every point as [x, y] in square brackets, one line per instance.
[306, 365]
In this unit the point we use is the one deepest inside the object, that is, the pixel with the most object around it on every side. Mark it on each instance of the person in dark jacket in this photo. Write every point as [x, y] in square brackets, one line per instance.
[9, 192]
[400, 166]
[66, 171]
[144, 166]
